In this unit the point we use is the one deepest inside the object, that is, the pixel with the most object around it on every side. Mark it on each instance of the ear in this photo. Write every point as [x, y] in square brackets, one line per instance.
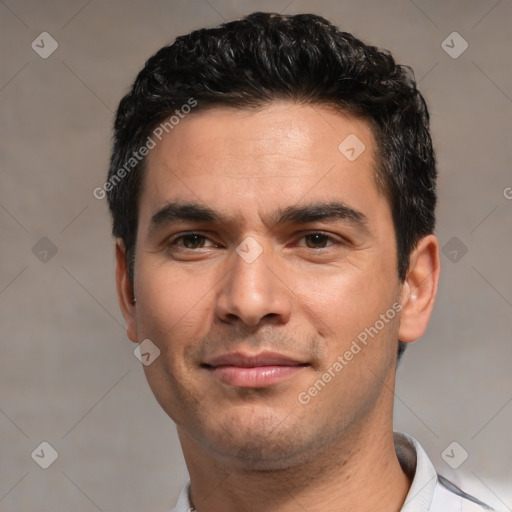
[125, 292]
[419, 289]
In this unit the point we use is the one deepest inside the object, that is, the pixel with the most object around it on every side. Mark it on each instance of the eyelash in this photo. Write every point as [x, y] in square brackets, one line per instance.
[173, 242]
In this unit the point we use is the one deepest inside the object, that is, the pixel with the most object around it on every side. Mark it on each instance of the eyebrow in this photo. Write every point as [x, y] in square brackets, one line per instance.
[332, 211]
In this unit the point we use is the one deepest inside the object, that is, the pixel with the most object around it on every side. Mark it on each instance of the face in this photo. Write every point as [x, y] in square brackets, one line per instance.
[263, 254]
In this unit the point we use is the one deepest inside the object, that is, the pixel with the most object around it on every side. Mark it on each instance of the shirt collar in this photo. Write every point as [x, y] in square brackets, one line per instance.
[419, 468]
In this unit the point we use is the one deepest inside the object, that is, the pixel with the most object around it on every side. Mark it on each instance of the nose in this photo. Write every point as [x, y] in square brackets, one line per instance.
[253, 291]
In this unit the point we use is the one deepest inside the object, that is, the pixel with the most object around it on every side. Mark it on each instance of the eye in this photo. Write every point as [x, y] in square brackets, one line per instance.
[318, 240]
[189, 241]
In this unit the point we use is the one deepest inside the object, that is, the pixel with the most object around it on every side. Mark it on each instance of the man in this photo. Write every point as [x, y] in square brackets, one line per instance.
[272, 187]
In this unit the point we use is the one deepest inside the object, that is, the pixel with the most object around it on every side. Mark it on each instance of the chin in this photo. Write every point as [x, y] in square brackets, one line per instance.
[269, 458]
[269, 447]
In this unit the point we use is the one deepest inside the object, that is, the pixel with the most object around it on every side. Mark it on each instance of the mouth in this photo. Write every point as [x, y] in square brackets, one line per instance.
[253, 371]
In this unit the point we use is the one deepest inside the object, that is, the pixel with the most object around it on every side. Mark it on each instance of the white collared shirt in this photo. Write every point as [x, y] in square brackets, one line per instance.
[429, 492]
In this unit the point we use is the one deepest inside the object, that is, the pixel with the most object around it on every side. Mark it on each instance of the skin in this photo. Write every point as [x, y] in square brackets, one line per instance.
[258, 448]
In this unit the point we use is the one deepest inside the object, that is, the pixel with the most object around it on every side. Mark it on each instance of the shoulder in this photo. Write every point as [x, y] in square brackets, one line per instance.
[430, 491]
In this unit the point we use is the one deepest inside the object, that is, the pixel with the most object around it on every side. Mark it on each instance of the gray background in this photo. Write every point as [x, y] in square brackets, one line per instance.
[68, 375]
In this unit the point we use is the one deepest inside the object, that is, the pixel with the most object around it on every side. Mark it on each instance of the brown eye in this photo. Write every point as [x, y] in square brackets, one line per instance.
[316, 240]
[192, 241]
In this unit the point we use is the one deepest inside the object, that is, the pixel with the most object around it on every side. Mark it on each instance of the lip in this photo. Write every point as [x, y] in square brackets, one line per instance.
[253, 371]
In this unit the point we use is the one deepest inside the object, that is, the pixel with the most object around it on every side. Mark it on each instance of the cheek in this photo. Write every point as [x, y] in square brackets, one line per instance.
[345, 309]
[175, 309]
[171, 298]
[343, 302]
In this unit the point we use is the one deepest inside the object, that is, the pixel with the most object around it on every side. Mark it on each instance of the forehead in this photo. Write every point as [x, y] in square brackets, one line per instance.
[277, 155]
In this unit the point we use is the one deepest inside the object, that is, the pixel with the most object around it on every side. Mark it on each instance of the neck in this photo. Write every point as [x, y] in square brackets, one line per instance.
[358, 472]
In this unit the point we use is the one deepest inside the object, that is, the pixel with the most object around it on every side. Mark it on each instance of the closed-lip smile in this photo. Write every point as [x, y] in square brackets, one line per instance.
[253, 370]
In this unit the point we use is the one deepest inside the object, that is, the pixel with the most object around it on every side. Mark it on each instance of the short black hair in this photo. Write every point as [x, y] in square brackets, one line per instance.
[263, 57]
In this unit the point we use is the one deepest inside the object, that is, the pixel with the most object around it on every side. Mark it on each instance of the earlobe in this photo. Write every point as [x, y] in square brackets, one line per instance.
[419, 289]
[125, 292]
